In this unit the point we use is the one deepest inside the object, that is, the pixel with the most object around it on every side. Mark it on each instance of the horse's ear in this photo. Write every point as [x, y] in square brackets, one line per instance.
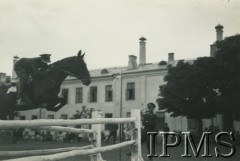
[79, 53]
[82, 56]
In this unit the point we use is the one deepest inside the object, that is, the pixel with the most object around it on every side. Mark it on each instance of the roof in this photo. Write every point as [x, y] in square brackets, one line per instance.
[124, 69]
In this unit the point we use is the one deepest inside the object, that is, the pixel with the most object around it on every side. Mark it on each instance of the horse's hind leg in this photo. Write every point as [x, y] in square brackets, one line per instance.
[7, 105]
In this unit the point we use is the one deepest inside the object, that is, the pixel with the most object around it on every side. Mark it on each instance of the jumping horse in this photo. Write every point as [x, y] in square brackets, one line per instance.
[45, 91]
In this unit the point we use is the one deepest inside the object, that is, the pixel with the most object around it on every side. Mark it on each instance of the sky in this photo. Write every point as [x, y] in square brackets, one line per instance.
[109, 30]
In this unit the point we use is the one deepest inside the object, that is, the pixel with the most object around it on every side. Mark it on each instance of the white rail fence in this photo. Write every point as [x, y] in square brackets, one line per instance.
[94, 150]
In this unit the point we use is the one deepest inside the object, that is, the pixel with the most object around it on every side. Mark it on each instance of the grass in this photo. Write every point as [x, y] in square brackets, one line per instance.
[175, 152]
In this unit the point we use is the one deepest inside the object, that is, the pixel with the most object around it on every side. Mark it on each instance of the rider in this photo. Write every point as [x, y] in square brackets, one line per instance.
[27, 68]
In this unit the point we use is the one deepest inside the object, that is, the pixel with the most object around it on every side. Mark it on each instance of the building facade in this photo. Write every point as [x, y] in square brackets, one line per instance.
[115, 91]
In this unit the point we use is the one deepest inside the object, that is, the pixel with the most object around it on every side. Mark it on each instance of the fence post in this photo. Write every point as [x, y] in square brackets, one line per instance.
[97, 136]
[136, 152]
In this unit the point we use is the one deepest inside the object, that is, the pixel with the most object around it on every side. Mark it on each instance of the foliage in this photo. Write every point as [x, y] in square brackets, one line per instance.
[228, 54]
[162, 63]
[206, 86]
[189, 89]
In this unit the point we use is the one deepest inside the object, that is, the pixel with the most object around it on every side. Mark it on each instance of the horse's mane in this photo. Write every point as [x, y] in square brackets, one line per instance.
[62, 62]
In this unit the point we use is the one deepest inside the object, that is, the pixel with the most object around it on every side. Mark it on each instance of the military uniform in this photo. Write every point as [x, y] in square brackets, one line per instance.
[149, 122]
[34, 67]
[113, 132]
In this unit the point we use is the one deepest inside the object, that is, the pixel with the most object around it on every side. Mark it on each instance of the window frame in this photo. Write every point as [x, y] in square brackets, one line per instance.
[130, 91]
[52, 117]
[108, 115]
[92, 95]
[108, 90]
[22, 117]
[79, 95]
[63, 94]
[62, 116]
[34, 117]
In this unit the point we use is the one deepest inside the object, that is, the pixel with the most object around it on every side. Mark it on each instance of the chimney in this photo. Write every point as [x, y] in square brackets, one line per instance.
[14, 75]
[132, 62]
[170, 58]
[142, 56]
[3, 77]
[219, 30]
[219, 36]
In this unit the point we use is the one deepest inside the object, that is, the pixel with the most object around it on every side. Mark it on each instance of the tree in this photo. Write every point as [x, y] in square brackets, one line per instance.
[228, 55]
[206, 86]
[189, 90]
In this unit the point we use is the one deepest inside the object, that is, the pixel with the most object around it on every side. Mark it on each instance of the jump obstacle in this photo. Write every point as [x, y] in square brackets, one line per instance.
[94, 150]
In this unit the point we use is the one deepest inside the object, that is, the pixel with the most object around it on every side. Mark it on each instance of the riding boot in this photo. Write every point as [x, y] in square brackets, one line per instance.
[20, 92]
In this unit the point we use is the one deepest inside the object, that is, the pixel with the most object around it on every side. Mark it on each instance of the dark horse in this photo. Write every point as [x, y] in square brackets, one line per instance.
[45, 91]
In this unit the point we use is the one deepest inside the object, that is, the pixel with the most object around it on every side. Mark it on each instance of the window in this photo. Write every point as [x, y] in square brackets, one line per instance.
[65, 94]
[50, 117]
[108, 93]
[64, 116]
[93, 94]
[128, 114]
[34, 117]
[108, 115]
[130, 91]
[22, 117]
[79, 94]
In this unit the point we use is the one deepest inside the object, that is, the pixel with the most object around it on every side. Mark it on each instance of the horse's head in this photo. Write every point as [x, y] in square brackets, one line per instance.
[77, 67]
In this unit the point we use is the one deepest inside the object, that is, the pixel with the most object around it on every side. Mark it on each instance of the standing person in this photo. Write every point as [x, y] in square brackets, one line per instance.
[83, 113]
[166, 128]
[149, 122]
[113, 133]
[30, 67]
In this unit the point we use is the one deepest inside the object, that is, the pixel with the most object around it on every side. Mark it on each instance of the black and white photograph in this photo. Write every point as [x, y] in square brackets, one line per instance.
[119, 80]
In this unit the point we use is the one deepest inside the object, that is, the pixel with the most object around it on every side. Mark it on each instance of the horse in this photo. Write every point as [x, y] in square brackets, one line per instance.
[44, 92]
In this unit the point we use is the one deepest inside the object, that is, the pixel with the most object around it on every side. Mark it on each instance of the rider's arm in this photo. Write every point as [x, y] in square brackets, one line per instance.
[38, 73]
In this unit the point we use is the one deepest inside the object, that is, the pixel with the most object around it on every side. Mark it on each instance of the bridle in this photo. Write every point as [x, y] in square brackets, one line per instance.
[67, 72]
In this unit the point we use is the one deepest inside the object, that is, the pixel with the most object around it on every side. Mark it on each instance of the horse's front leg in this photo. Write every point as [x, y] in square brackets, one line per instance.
[51, 102]
[60, 102]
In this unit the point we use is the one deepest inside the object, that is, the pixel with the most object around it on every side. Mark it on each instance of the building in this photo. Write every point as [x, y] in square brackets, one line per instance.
[4, 79]
[115, 91]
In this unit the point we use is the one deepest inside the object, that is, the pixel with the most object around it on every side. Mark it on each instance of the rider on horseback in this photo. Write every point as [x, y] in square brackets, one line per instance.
[27, 68]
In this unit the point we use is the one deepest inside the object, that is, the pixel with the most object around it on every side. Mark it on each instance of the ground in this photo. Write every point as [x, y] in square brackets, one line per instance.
[175, 153]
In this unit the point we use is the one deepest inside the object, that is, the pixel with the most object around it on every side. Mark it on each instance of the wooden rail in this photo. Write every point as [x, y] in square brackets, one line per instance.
[93, 150]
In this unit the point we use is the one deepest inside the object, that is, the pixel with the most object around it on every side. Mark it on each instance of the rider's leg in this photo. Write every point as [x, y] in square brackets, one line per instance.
[21, 86]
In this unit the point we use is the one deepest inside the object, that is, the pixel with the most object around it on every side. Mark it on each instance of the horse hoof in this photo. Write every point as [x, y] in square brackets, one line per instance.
[57, 105]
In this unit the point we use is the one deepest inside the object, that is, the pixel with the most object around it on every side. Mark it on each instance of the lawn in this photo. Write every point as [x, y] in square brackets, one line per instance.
[175, 153]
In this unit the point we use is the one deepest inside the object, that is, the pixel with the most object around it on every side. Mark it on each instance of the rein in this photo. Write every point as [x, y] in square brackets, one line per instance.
[57, 66]
[51, 80]
[69, 73]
